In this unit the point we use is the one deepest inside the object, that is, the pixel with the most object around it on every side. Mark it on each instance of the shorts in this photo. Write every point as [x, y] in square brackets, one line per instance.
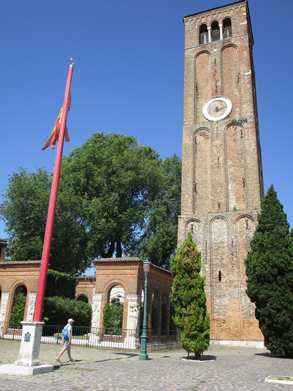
[66, 345]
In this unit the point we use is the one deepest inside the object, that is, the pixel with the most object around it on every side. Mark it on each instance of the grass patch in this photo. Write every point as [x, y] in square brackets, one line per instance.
[283, 378]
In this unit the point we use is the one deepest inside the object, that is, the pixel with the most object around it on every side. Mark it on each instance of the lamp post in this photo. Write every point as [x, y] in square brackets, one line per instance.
[144, 337]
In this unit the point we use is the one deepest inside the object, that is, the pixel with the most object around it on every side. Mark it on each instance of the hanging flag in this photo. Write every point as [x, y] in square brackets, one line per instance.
[55, 133]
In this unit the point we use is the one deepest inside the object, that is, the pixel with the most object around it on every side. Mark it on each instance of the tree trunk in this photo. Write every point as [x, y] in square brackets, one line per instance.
[110, 252]
[118, 248]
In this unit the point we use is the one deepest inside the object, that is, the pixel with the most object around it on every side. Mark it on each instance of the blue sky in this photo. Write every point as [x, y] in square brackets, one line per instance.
[128, 78]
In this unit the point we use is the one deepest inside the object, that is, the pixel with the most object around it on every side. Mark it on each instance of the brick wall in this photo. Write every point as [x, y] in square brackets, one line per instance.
[85, 287]
[15, 274]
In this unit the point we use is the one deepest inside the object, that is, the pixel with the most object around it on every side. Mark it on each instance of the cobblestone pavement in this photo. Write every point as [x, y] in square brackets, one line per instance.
[234, 368]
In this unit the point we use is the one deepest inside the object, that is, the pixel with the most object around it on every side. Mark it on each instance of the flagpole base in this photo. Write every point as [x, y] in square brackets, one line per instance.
[13, 369]
[28, 362]
[30, 344]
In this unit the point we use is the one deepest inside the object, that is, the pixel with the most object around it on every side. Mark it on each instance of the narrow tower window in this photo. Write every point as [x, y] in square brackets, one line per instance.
[215, 31]
[227, 25]
[203, 34]
[220, 276]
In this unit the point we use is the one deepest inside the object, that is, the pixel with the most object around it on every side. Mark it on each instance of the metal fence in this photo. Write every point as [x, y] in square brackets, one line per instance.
[100, 338]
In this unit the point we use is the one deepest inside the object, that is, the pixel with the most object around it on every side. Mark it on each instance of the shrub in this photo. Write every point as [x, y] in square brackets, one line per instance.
[189, 298]
[113, 317]
[17, 312]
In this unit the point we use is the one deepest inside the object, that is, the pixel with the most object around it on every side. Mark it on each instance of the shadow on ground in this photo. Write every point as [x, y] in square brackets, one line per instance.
[203, 358]
[271, 355]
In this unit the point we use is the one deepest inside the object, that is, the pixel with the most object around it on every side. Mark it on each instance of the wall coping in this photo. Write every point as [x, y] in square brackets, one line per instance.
[113, 260]
[127, 260]
[89, 278]
[4, 264]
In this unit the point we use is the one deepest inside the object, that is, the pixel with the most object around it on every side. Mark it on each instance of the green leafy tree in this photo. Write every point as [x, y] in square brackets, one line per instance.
[60, 284]
[269, 269]
[113, 317]
[116, 183]
[24, 211]
[189, 298]
[158, 242]
[115, 197]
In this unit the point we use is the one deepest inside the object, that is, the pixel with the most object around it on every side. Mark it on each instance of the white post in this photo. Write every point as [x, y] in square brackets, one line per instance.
[4, 304]
[31, 307]
[221, 31]
[209, 35]
[132, 320]
[96, 316]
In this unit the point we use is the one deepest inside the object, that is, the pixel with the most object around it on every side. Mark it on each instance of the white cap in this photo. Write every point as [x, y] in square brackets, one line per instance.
[70, 320]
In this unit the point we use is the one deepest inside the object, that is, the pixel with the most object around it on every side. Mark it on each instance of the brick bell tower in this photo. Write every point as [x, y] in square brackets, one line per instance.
[222, 182]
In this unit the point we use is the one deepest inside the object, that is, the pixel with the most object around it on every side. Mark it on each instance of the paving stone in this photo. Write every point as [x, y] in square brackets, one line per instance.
[234, 368]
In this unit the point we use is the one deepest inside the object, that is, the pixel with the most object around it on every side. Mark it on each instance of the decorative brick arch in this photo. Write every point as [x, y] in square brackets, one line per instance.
[105, 298]
[111, 284]
[17, 284]
[202, 52]
[229, 45]
[83, 294]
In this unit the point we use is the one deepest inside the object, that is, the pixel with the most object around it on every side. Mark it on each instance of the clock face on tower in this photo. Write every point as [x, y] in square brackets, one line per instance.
[217, 108]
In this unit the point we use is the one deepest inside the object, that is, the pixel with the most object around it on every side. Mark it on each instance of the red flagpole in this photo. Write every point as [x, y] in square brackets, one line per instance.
[52, 204]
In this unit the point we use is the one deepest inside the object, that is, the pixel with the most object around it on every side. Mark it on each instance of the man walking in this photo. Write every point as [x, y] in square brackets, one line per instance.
[66, 340]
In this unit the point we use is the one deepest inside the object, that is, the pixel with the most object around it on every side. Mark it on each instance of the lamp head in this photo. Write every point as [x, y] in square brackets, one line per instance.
[146, 266]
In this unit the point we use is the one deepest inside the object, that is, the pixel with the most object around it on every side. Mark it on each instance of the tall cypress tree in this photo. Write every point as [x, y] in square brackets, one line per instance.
[269, 269]
[189, 298]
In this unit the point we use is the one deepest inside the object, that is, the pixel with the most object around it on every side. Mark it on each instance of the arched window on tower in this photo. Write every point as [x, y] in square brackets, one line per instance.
[215, 31]
[227, 26]
[203, 34]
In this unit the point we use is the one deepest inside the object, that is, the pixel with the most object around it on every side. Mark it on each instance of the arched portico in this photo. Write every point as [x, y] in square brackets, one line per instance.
[128, 273]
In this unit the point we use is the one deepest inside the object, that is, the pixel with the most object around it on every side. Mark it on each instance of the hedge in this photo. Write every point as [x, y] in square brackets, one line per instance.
[57, 310]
